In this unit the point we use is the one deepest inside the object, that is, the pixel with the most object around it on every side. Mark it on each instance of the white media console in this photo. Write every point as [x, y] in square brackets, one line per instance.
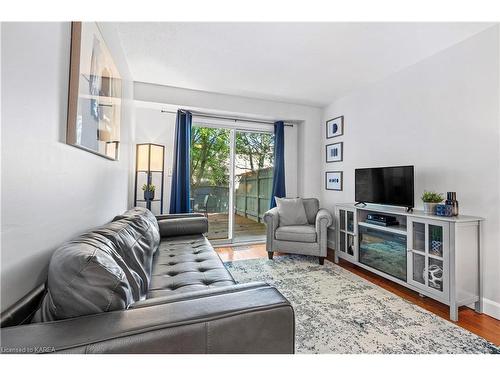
[439, 257]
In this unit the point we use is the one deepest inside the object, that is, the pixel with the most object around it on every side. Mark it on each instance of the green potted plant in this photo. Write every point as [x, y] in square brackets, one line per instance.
[431, 200]
[149, 192]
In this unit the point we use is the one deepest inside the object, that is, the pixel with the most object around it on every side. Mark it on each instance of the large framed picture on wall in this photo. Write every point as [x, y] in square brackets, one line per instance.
[95, 93]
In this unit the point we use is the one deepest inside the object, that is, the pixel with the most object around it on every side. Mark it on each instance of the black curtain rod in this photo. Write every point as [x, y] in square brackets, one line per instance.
[235, 119]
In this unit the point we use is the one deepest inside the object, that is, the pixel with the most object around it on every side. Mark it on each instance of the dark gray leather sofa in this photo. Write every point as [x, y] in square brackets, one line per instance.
[145, 284]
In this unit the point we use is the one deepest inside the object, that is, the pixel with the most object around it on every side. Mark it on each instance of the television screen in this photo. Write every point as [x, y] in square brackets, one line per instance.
[388, 185]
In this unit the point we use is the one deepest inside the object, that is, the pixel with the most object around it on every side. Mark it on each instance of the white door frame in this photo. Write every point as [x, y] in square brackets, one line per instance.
[232, 155]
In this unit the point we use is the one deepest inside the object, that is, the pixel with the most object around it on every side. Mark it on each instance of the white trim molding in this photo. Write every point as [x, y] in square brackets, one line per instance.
[491, 308]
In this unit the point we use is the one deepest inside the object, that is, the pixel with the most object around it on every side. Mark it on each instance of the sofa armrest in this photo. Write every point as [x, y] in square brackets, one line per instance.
[256, 320]
[177, 216]
[323, 220]
[272, 221]
[182, 225]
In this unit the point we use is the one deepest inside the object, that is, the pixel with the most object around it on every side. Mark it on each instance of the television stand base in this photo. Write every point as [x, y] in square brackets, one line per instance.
[426, 253]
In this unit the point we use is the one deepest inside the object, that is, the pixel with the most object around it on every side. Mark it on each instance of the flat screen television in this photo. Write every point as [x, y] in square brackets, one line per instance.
[387, 185]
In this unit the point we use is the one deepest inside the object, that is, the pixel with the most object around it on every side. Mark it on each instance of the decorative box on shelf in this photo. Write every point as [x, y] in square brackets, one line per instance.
[444, 210]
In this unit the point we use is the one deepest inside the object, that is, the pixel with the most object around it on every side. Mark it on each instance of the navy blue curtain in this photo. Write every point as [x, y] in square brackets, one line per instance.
[179, 196]
[279, 162]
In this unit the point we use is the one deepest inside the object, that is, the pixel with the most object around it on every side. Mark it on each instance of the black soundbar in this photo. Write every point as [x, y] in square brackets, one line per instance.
[382, 218]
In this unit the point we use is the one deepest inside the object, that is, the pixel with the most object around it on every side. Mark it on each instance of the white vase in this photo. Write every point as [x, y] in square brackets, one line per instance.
[430, 208]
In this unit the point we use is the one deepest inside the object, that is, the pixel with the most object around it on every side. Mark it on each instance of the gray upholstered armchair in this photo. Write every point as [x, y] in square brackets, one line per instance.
[310, 239]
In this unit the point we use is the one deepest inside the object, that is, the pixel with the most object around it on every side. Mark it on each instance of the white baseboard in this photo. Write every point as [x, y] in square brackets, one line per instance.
[491, 308]
[330, 244]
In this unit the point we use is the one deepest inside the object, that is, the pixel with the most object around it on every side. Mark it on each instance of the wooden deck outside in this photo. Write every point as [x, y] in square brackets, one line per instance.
[245, 229]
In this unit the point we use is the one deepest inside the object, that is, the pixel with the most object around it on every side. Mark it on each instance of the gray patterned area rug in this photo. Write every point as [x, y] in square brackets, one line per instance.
[337, 311]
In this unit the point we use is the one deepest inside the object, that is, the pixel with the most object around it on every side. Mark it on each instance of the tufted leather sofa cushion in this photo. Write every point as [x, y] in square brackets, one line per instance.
[136, 239]
[102, 270]
[140, 212]
[186, 264]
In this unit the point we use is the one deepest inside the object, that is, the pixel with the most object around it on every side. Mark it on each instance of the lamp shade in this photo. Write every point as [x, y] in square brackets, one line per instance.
[150, 157]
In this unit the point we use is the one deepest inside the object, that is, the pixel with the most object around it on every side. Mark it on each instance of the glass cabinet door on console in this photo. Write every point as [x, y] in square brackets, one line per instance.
[346, 244]
[428, 254]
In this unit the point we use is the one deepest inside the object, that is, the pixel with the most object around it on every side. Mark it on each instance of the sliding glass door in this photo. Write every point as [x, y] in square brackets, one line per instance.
[210, 178]
[253, 170]
[231, 181]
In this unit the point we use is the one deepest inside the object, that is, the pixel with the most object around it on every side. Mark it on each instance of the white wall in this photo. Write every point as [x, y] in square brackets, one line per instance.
[302, 143]
[442, 116]
[50, 191]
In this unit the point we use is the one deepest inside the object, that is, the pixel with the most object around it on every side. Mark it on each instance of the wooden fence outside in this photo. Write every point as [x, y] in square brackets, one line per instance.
[252, 198]
[253, 195]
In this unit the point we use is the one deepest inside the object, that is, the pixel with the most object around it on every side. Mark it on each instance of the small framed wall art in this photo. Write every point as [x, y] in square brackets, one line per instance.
[334, 152]
[335, 127]
[333, 180]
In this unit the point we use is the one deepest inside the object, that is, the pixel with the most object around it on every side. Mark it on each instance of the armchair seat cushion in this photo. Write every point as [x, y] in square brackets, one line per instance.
[296, 233]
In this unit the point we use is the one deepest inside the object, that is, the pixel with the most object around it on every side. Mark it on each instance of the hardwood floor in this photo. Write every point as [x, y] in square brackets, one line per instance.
[243, 252]
[480, 324]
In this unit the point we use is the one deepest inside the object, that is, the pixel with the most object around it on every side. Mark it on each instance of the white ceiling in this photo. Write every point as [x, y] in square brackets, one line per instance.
[305, 63]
